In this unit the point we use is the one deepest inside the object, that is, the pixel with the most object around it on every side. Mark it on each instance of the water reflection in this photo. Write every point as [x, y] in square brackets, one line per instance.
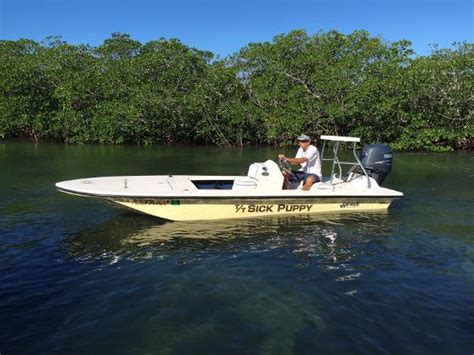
[259, 273]
[136, 237]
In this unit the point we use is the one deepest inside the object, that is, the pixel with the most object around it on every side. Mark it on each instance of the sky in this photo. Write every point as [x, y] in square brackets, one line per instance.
[225, 26]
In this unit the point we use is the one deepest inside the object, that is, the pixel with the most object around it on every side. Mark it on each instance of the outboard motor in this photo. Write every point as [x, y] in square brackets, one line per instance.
[377, 161]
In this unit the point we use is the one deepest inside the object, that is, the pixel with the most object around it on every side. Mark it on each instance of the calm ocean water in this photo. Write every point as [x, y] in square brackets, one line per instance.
[78, 276]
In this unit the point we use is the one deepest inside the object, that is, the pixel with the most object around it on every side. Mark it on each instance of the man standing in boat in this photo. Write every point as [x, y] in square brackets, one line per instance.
[308, 157]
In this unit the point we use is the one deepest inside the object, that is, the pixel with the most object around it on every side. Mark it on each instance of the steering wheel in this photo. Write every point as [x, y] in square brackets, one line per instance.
[285, 167]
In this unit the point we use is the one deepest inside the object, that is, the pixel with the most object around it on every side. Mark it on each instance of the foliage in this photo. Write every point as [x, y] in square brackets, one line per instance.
[163, 91]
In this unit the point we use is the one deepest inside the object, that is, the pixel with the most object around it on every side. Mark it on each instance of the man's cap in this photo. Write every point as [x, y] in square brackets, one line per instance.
[303, 137]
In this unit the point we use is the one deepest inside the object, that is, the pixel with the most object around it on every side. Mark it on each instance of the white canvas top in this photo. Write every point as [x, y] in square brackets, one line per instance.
[340, 139]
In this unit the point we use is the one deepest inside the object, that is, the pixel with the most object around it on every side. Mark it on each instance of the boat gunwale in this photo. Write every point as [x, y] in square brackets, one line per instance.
[236, 197]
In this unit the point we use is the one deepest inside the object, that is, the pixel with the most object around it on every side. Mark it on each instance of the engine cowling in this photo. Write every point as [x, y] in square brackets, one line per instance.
[377, 161]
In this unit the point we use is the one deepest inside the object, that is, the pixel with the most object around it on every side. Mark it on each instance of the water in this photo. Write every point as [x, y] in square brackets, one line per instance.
[78, 276]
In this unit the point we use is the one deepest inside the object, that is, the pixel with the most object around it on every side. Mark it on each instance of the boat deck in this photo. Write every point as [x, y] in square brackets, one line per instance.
[182, 186]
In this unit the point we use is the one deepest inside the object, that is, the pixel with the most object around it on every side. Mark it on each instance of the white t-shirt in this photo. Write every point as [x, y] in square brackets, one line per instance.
[313, 165]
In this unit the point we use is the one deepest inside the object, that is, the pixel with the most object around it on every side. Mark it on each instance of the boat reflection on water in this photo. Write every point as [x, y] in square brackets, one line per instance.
[134, 237]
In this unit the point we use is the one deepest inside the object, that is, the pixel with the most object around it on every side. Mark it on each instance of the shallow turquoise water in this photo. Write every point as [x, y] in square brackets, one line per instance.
[79, 276]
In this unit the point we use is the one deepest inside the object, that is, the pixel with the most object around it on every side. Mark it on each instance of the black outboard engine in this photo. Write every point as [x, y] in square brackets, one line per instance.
[377, 161]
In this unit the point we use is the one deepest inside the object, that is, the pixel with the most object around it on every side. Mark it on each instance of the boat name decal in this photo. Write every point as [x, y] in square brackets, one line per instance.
[152, 202]
[349, 204]
[282, 207]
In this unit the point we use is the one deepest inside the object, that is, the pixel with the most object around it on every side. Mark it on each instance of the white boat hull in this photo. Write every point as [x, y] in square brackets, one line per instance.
[259, 194]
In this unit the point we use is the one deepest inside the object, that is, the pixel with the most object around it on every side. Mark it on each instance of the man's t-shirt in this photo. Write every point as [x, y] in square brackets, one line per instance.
[313, 165]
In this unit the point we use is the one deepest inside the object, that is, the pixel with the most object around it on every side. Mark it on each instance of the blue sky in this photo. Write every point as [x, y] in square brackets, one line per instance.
[227, 25]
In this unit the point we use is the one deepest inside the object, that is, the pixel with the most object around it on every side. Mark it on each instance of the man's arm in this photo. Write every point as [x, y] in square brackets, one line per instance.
[293, 160]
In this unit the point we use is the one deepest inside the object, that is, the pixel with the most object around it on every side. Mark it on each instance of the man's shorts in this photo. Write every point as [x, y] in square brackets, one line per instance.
[298, 176]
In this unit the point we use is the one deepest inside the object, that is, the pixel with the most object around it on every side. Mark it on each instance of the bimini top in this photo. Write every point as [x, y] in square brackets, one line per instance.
[340, 139]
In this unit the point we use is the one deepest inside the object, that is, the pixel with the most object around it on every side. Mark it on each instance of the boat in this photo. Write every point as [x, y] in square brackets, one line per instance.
[259, 193]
